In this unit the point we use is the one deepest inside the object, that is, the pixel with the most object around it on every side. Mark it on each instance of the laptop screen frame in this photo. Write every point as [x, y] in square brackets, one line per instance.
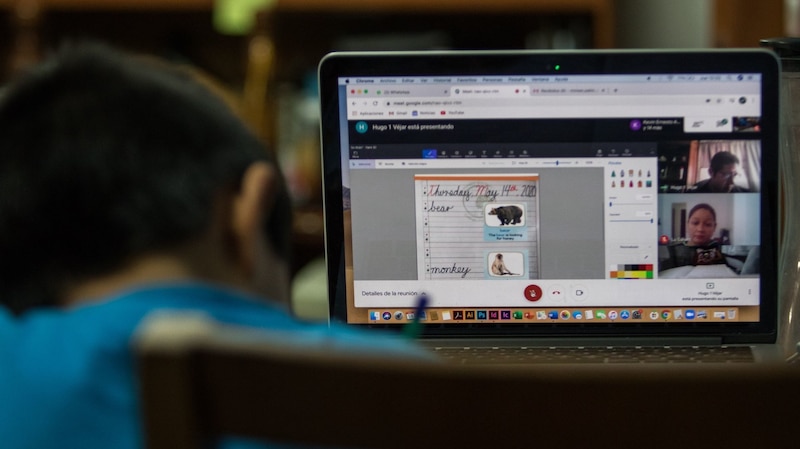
[593, 62]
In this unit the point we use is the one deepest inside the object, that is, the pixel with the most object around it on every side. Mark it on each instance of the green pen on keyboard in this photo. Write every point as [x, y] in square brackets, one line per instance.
[413, 329]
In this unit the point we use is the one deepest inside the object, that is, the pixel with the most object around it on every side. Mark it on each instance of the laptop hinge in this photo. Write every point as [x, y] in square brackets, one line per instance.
[580, 341]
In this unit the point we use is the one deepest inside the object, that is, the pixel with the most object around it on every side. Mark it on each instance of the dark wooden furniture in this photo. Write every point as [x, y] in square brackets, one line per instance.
[200, 382]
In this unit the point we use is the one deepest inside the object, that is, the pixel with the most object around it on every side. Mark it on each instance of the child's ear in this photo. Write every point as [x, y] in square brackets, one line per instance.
[251, 208]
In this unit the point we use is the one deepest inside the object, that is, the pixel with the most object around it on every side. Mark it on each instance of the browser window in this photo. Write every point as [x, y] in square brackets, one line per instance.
[609, 190]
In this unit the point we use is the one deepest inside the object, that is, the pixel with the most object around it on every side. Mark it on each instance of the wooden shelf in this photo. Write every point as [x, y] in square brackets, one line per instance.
[113, 5]
[423, 6]
[491, 22]
[601, 11]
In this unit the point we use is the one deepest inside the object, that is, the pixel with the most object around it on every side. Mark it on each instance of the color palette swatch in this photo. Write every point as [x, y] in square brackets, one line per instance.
[632, 272]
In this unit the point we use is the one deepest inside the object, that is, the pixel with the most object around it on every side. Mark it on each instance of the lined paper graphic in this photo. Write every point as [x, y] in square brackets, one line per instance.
[477, 226]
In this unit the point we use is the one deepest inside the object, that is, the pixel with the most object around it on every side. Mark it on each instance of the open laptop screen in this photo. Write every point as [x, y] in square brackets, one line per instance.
[540, 192]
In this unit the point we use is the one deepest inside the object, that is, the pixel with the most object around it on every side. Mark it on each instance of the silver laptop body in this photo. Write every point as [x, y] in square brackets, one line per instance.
[590, 199]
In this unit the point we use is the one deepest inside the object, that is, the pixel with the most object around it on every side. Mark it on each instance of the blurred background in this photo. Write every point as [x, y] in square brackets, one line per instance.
[265, 52]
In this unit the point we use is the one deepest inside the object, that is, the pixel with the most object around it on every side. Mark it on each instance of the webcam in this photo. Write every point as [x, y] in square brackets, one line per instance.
[555, 67]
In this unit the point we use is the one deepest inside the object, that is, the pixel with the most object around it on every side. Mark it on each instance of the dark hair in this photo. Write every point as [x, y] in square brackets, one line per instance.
[105, 157]
[721, 159]
[702, 206]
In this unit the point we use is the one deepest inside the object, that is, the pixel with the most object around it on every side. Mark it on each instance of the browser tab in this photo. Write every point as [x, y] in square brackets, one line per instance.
[489, 91]
[399, 91]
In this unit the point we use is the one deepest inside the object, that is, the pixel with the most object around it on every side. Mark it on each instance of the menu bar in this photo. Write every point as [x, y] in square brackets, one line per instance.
[555, 79]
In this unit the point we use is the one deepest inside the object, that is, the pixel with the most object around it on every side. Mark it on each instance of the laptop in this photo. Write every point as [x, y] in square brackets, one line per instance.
[555, 202]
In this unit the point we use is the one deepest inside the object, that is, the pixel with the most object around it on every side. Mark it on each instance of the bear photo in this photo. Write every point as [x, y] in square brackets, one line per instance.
[506, 214]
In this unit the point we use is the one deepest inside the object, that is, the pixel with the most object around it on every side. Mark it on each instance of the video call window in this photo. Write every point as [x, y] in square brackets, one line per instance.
[710, 166]
[708, 209]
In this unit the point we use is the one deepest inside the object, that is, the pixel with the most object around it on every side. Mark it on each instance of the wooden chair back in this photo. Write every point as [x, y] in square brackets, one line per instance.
[199, 385]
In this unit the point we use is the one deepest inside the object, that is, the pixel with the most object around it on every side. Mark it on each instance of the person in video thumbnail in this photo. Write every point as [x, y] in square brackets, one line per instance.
[722, 171]
[701, 248]
[702, 224]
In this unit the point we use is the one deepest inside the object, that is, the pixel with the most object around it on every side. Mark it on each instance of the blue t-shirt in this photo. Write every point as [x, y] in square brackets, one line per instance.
[67, 376]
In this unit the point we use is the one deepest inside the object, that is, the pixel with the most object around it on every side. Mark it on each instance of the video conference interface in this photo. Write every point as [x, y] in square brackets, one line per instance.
[601, 219]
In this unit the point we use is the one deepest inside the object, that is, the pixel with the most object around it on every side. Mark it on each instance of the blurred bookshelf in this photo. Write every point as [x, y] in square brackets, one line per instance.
[274, 66]
[301, 32]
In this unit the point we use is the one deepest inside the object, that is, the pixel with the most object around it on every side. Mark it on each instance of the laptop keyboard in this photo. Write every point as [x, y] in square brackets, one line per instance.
[640, 354]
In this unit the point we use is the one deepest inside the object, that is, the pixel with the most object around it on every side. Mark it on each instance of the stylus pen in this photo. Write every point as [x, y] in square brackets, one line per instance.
[413, 329]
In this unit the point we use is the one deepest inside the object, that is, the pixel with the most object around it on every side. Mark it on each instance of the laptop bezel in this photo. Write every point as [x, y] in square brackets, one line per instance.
[433, 63]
